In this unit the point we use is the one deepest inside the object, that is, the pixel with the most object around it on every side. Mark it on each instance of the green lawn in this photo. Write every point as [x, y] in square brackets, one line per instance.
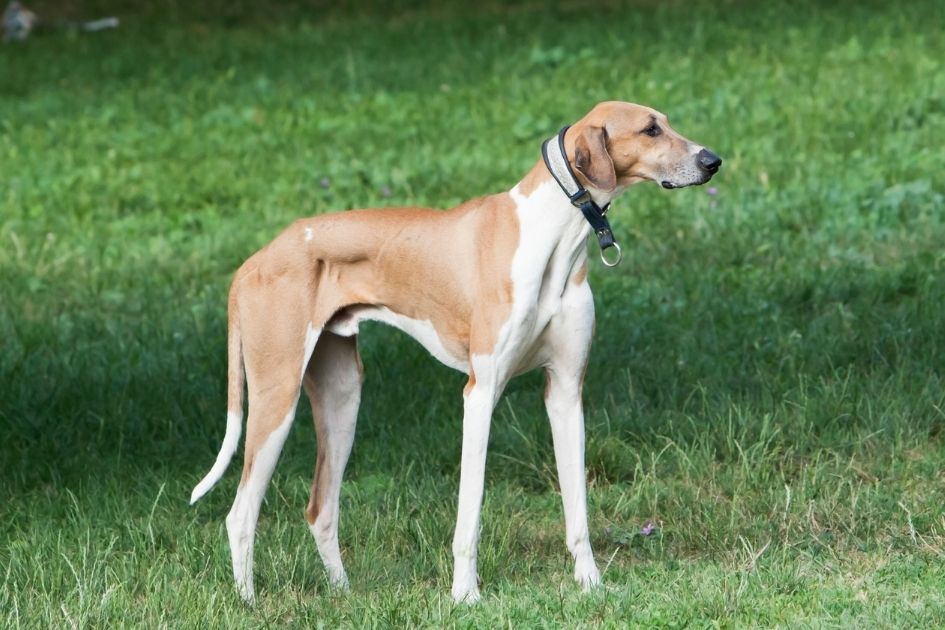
[767, 384]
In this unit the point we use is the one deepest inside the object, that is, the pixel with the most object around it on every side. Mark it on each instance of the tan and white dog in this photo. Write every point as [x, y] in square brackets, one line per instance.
[509, 295]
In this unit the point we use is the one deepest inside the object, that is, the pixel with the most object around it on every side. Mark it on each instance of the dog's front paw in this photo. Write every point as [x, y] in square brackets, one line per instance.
[247, 593]
[586, 573]
[465, 582]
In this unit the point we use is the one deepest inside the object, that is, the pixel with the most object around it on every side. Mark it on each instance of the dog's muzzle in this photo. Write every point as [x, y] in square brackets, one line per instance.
[696, 172]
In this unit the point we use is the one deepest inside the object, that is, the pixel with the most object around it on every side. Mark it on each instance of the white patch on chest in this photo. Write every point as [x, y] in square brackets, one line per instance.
[552, 246]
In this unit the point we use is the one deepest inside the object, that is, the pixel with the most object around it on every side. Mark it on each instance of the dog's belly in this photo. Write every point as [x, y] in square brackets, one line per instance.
[523, 344]
[346, 324]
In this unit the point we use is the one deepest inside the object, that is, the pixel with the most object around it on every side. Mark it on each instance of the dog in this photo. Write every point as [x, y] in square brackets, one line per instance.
[494, 287]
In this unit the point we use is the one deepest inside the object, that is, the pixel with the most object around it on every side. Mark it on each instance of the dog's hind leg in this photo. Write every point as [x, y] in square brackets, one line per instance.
[333, 384]
[275, 355]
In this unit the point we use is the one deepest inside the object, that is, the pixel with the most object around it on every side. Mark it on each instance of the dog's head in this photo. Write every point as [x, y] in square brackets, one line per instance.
[617, 145]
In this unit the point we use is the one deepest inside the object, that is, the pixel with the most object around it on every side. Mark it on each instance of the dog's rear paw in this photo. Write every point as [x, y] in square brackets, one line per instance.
[470, 596]
[586, 574]
[339, 582]
[247, 594]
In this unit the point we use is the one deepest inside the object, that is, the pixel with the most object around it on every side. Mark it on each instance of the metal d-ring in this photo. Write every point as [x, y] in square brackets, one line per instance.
[615, 261]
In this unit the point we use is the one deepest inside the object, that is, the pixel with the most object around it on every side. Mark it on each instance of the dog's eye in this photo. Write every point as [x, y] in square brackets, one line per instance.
[653, 130]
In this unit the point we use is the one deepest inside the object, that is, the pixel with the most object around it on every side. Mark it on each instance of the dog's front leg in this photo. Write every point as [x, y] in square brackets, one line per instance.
[569, 337]
[479, 401]
[563, 403]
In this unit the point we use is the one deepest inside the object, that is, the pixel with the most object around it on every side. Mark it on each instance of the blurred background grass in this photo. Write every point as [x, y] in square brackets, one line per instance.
[767, 365]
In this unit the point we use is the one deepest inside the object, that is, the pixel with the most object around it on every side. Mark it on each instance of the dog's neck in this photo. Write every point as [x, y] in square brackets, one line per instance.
[553, 232]
[552, 208]
[539, 174]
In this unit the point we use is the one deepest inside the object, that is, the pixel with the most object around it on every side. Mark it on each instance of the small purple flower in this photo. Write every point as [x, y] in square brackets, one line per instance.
[648, 529]
[324, 182]
[386, 192]
[712, 191]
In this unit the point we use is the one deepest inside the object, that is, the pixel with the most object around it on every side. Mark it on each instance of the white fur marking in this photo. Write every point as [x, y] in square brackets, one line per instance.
[241, 521]
[311, 337]
[309, 235]
[543, 264]
[231, 440]
[327, 543]
[420, 329]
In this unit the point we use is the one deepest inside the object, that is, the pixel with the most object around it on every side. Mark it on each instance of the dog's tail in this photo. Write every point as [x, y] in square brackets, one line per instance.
[234, 400]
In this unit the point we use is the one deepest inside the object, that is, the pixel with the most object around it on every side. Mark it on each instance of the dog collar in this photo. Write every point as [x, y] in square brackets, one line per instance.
[556, 159]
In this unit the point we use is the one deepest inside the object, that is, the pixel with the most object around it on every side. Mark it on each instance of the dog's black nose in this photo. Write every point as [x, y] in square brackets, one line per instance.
[708, 160]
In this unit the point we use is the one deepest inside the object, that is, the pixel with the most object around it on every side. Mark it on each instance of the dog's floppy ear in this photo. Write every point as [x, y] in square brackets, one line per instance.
[592, 160]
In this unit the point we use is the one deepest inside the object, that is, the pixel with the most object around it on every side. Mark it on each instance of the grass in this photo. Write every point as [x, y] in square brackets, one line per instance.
[766, 384]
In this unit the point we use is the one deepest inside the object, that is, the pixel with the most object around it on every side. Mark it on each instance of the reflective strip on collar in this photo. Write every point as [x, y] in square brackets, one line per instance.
[557, 162]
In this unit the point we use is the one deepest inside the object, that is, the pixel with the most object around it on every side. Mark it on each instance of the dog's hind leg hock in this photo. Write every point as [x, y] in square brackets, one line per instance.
[333, 384]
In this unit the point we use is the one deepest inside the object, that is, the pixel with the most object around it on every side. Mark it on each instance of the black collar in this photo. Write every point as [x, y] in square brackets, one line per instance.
[556, 159]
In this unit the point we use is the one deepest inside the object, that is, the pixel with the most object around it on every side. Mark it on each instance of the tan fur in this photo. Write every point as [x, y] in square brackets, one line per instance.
[234, 376]
[535, 178]
[592, 160]
[634, 155]
[317, 496]
[469, 384]
[581, 274]
[449, 267]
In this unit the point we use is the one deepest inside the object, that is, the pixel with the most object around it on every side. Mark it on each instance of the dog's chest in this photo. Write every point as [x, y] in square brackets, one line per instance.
[550, 252]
